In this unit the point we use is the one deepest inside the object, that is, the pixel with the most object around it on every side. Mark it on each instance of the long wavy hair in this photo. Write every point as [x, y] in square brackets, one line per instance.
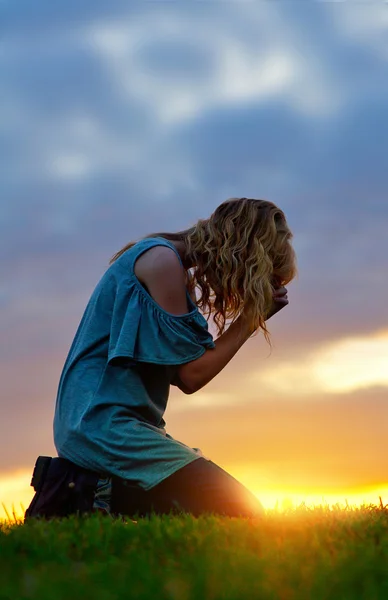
[241, 254]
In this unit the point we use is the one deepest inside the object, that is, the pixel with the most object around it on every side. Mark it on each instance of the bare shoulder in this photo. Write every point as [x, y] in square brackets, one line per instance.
[158, 261]
[160, 271]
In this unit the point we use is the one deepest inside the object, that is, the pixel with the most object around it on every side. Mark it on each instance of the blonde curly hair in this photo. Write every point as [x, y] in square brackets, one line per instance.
[241, 254]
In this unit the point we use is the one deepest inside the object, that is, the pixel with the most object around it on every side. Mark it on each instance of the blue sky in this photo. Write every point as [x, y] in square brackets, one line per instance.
[118, 121]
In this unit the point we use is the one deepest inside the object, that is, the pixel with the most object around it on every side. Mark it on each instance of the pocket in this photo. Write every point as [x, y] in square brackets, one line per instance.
[62, 489]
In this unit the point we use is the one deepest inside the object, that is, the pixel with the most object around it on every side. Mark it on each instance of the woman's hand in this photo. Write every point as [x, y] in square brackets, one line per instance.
[280, 300]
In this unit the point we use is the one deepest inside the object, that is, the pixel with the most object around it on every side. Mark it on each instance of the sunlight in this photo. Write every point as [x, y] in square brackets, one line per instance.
[272, 494]
[344, 366]
[353, 364]
[16, 491]
[285, 499]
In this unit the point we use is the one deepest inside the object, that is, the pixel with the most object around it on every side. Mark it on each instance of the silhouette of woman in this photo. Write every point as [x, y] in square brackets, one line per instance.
[141, 332]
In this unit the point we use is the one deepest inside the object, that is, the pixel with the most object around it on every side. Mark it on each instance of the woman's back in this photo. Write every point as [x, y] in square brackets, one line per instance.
[115, 383]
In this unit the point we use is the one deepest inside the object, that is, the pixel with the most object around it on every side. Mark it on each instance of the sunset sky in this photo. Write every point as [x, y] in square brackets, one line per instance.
[120, 119]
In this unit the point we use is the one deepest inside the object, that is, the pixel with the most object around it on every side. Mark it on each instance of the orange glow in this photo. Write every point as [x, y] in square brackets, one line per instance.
[16, 491]
[272, 495]
[343, 366]
[284, 499]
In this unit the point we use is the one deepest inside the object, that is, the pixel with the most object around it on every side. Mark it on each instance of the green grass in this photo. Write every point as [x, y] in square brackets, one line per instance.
[303, 554]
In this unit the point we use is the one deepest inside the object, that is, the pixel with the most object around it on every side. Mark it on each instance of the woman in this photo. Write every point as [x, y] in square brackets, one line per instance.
[140, 333]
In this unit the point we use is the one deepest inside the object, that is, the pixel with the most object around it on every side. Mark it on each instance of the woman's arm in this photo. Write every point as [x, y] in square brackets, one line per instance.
[194, 375]
[160, 271]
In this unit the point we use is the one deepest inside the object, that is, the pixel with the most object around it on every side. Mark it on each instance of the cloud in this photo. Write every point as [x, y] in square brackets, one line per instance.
[121, 120]
[365, 23]
[46, 17]
[343, 366]
[180, 70]
[300, 373]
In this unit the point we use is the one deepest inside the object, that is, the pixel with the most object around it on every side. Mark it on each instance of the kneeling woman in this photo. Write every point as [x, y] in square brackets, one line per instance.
[142, 332]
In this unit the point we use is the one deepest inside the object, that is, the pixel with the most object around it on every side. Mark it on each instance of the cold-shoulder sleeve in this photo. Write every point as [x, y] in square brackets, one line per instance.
[142, 331]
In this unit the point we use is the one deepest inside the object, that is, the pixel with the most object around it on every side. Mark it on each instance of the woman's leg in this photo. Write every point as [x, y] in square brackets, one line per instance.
[199, 487]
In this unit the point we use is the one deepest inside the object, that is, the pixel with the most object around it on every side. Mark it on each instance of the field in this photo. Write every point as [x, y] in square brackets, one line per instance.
[301, 554]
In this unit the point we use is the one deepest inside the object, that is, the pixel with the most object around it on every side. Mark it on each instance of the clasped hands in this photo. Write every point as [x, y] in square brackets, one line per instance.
[280, 300]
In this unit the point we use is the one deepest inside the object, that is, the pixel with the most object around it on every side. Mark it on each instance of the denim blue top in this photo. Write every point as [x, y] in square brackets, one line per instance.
[115, 383]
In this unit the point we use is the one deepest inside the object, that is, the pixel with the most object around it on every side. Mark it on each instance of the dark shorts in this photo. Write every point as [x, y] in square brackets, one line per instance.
[200, 487]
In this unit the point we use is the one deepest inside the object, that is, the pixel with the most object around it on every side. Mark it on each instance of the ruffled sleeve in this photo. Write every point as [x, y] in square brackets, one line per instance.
[142, 331]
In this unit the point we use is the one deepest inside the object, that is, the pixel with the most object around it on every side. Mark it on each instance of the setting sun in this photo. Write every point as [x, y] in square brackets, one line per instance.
[16, 494]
